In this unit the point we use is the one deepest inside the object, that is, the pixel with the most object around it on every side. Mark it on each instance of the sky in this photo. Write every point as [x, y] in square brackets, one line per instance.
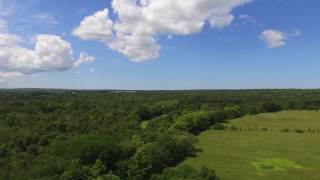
[159, 44]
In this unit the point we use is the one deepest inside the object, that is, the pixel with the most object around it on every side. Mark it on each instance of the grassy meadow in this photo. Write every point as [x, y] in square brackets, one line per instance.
[277, 146]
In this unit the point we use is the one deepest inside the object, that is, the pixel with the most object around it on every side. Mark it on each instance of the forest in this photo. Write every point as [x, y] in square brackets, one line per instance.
[129, 135]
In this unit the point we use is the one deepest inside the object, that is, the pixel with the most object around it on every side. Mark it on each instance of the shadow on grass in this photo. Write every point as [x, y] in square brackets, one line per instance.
[195, 152]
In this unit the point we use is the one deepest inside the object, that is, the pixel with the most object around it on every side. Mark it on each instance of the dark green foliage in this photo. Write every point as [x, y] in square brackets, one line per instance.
[88, 148]
[220, 127]
[163, 150]
[75, 171]
[286, 130]
[195, 122]
[271, 107]
[186, 172]
[299, 131]
[58, 134]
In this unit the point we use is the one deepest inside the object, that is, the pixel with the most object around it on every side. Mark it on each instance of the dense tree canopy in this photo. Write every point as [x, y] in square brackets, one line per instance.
[57, 134]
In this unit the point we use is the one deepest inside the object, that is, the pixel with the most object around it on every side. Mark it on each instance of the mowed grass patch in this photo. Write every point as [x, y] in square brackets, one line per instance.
[275, 165]
[243, 155]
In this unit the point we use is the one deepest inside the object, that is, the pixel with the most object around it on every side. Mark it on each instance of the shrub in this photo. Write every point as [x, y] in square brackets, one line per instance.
[285, 130]
[299, 131]
[220, 127]
[234, 128]
[186, 172]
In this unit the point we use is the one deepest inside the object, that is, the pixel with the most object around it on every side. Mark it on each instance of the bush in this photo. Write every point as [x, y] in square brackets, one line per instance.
[219, 127]
[186, 172]
[299, 131]
[285, 130]
[233, 128]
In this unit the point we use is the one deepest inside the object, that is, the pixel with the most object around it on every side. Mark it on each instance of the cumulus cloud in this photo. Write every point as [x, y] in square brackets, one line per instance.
[9, 40]
[51, 53]
[95, 27]
[138, 23]
[274, 38]
[7, 75]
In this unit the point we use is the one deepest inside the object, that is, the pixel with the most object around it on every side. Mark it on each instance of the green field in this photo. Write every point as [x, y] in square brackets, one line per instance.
[261, 150]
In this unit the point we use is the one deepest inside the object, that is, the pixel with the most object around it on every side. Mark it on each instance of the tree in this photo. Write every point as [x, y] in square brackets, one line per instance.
[140, 165]
[185, 172]
[98, 170]
[75, 171]
[271, 107]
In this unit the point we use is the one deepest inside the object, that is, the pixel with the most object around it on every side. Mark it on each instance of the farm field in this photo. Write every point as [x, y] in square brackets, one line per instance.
[263, 147]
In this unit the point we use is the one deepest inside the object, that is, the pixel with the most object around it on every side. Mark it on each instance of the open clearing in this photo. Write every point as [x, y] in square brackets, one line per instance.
[261, 150]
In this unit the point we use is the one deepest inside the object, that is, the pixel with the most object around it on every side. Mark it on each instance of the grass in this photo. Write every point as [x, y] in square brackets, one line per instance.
[275, 165]
[257, 154]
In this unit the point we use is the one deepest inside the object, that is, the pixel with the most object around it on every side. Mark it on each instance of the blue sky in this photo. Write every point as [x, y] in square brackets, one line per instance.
[235, 56]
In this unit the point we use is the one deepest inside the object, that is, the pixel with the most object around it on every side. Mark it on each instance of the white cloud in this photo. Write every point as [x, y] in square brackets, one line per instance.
[9, 74]
[9, 40]
[95, 27]
[45, 18]
[246, 19]
[4, 76]
[51, 53]
[84, 58]
[275, 38]
[138, 23]
[221, 21]
[250, 20]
